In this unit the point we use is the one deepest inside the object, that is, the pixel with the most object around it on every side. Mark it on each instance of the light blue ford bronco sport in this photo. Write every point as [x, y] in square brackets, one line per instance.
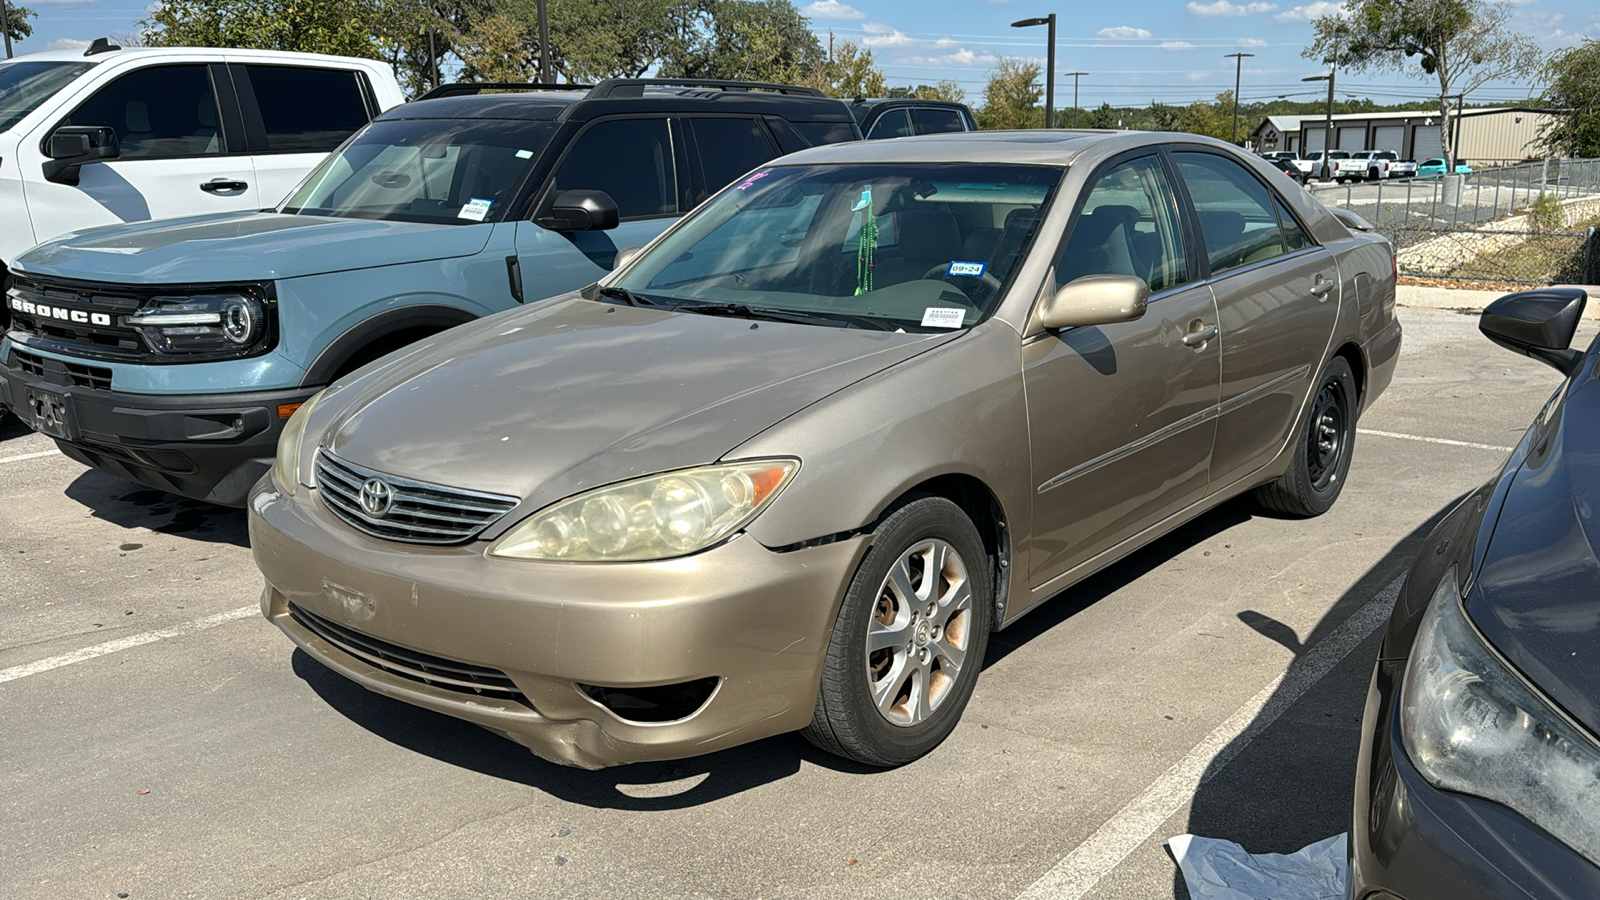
[171, 353]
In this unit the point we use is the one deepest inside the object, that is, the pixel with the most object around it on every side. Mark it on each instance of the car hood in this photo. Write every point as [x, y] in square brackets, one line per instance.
[247, 246]
[1536, 597]
[546, 401]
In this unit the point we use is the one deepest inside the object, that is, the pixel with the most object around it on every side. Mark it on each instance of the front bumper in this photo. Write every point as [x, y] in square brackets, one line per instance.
[755, 620]
[1412, 841]
[211, 447]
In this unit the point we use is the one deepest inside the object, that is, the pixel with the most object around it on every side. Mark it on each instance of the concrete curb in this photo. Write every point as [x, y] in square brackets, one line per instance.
[1452, 298]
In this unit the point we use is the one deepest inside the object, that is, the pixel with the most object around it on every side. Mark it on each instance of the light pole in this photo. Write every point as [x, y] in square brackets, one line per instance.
[1050, 65]
[1238, 72]
[1327, 128]
[1074, 94]
[544, 43]
[5, 26]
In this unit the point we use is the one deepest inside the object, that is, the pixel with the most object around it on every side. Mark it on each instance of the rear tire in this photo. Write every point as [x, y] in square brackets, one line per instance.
[1322, 450]
[909, 639]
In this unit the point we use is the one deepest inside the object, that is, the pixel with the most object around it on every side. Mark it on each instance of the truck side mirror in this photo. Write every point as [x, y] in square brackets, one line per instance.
[580, 210]
[71, 146]
[1538, 324]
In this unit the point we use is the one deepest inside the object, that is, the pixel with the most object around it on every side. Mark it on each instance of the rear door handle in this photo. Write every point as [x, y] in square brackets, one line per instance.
[212, 187]
[1199, 336]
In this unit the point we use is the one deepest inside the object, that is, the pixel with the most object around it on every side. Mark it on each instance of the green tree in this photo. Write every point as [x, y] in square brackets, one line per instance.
[1011, 97]
[497, 46]
[754, 40]
[1212, 119]
[1462, 44]
[16, 24]
[345, 27]
[1104, 117]
[853, 72]
[944, 90]
[1574, 96]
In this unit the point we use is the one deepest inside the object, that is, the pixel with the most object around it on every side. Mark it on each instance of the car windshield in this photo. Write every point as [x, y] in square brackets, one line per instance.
[441, 171]
[25, 85]
[917, 247]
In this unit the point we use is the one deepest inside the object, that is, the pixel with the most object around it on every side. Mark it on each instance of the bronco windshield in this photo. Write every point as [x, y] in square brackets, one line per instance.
[440, 171]
[919, 247]
[25, 85]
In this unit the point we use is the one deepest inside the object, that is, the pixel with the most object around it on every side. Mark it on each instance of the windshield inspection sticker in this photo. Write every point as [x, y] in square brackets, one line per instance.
[973, 269]
[475, 209]
[524, 154]
[942, 317]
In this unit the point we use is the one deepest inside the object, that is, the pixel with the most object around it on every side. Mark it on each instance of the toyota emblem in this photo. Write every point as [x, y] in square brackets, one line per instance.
[376, 498]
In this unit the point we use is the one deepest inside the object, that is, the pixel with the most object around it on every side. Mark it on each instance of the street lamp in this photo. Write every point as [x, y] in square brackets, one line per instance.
[1050, 65]
[1327, 128]
[1074, 94]
[1238, 71]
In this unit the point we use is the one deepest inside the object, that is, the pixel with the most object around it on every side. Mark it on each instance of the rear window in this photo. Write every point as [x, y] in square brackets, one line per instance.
[820, 133]
[296, 124]
[937, 120]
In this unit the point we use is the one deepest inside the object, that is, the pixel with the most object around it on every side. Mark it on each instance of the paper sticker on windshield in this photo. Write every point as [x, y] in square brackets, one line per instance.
[524, 154]
[942, 317]
[960, 267]
[475, 209]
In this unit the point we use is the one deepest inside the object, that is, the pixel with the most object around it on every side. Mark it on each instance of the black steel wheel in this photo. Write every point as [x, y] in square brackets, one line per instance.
[1322, 451]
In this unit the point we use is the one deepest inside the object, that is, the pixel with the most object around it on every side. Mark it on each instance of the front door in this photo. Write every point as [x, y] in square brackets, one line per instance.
[1121, 416]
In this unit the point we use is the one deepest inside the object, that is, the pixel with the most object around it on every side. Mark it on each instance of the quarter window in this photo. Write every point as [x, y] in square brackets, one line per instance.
[1235, 211]
[307, 110]
[162, 112]
[937, 121]
[629, 159]
[1293, 235]
[728, 148]
[892, 124]
[1128, 226]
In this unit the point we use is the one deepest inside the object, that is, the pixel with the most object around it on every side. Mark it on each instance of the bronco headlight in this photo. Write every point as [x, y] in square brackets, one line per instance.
[227, 323]
[655, 517]
[1471, 724]
[286, 467]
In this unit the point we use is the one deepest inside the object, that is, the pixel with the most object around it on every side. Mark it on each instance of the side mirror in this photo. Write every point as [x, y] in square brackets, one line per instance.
[624, 256]
[1095, 300]
[71, 146]
[1538, 324]
[580, 211]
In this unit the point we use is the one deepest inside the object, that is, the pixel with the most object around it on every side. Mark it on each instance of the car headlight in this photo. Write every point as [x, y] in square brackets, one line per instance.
[286, 467]
[1471, 724]
[227, 323]
[655, 517]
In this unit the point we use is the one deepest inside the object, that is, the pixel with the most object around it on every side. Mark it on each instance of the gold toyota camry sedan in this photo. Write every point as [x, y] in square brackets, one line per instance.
[790, 465]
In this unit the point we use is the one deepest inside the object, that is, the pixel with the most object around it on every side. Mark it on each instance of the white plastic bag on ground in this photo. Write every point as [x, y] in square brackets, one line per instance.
[1221, 870]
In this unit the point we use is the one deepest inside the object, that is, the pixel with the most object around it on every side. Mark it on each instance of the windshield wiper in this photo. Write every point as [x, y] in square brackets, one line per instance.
[626, 296]
[742, 311]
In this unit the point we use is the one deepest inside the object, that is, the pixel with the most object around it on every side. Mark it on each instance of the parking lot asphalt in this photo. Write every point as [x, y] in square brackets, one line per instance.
[161, 740]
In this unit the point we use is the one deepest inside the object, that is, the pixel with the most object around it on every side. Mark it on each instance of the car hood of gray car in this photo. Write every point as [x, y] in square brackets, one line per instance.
[550, 400]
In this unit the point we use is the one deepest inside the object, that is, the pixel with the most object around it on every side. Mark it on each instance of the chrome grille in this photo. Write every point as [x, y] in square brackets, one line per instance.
[437, 671]
[419, 512]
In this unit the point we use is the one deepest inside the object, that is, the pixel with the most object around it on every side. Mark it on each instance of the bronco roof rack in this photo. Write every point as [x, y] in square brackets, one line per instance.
[468, 89]
[634, 87]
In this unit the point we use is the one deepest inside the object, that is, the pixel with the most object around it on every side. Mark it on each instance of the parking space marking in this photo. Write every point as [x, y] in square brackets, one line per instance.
[1433, 440]
[129, 642]
[1081, 870]
[39, 455]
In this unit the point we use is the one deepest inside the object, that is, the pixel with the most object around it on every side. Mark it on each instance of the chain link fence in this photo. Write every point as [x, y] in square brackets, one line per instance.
[1474, 225]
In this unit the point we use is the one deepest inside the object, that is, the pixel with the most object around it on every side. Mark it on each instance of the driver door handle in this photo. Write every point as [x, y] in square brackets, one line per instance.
[1199, 336]
[1321, 287]
[212, 187]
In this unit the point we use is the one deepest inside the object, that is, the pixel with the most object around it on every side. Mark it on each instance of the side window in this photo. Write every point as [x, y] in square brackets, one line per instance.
[1128, 226]
[892, 124]
[728, 148]
[630, 159]
[937, 121]
[1293, 235]
[163, 112]
[817, 134]
[1235, 211]
[294, 123]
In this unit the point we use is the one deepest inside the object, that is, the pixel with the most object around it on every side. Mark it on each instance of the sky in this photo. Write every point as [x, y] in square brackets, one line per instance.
[1133, 51]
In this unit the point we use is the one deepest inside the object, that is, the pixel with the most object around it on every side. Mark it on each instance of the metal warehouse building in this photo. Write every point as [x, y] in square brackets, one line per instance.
[1483, 137]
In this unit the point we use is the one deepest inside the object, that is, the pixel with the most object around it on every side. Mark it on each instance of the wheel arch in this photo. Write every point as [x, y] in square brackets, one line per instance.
[386, 331]
[983, 507]
[1351, 351]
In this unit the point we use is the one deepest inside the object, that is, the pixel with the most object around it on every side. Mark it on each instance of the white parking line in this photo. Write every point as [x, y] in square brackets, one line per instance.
[1425, 440]
[1079, 871]
[88, 653]
[39, 455]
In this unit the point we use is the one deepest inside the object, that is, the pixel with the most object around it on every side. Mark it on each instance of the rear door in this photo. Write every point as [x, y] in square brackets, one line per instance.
[182, 152]
[294, 116]
[1277, 299]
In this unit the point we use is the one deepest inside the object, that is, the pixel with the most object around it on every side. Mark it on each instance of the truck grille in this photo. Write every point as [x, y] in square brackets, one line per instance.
[400, 509]
[99, 306]
[415, 665]
[62, 373]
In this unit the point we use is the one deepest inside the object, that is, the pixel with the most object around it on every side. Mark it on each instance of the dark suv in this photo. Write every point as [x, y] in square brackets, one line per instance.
[904, 116]
[172, 353]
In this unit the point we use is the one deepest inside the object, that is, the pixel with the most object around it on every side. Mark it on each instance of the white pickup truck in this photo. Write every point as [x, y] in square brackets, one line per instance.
[1340, 166]
[1377, 165]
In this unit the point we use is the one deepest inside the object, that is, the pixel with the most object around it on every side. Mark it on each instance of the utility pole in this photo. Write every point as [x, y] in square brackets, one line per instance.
[1238, 72]
[1327, 127]
[1050, 65]
[5, 25]
[830, 46]
[433, 56]
[544, 43]
[1074, 95]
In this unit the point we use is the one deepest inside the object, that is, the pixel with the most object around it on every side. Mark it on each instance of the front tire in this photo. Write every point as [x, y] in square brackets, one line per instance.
[909, 639]
[1322, 451]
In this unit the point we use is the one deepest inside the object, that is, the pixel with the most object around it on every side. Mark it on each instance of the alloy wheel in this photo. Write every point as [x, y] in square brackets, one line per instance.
[919, 633]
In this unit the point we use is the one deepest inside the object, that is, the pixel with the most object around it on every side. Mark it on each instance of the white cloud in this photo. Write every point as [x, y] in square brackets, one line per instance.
[1199, 76]
[1122, 33]
[1252, 43]
[1176, 45]
[896, 48]
[1224, 8]
[1310, 11]
[66, 44]
[832, 10]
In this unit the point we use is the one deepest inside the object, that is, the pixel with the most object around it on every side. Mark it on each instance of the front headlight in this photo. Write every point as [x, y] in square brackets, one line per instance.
[227, 323]
[1471, 724]
[286, 467]
[655, 517]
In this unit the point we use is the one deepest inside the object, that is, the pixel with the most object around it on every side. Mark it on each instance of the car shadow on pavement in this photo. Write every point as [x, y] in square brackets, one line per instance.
[669, 785]
[131, 505]
[12, 427]
[1293, 783]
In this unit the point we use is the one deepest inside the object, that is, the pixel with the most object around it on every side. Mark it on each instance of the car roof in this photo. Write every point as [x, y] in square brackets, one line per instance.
[77, 55]
[580, 105]
[1056, 147]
